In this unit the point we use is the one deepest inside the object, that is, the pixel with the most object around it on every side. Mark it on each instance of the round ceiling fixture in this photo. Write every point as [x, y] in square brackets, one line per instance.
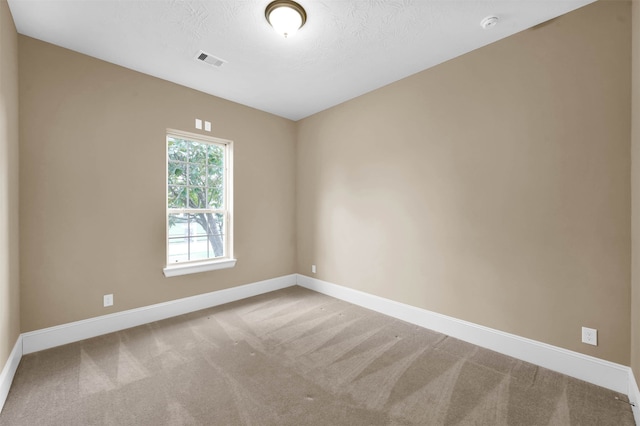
[489, 21]
[285, 16]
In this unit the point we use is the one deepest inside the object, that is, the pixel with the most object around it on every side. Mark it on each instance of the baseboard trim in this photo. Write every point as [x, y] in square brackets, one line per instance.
[590, 369]
[603, 373]
[9, 371]
[634, 396]
[46, 338]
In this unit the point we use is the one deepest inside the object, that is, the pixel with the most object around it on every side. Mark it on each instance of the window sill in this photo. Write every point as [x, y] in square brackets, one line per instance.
[194, 268]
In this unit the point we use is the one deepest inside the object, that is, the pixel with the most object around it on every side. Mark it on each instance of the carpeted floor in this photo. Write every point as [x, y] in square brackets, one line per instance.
[294, 357]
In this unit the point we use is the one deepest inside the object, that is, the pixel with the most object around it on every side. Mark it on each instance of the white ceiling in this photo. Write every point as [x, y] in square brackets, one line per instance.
[346, 48]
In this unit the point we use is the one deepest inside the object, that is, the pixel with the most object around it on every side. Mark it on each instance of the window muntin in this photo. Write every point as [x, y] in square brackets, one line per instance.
[198, 198]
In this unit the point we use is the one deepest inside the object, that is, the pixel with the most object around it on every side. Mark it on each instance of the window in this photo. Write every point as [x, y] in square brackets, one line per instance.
[199, 204]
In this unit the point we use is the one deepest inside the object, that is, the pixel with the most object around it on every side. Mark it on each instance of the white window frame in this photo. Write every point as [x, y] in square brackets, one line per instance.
[228, 260]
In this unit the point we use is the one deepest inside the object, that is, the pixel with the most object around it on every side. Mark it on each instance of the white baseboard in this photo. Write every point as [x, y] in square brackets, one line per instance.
[9, 370]
[590, 369]
[593, 370]
[634, 396]
[46, 338]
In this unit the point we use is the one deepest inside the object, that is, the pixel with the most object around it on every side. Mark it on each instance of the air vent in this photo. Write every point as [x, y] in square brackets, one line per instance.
[210, 59]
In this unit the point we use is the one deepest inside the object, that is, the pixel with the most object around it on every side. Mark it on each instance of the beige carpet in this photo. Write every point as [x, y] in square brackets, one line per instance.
[294, 357]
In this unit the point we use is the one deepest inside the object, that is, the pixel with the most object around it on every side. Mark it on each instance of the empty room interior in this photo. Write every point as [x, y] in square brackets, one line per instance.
[413, 212]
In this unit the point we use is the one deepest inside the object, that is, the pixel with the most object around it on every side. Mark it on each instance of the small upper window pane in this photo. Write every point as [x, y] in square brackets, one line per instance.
[177, 173]
[177, 197]
[177, 149]
[216, 155]
[198, 152]
[215, 198]
[215, 177]
[197, 175]
[197, 198]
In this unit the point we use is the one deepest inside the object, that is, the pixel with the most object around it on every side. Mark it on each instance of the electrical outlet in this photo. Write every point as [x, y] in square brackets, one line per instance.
[590, 336]
[313, 269]
[107, 300]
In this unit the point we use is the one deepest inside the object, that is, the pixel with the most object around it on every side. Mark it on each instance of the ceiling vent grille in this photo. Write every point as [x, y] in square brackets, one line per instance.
[210, 59]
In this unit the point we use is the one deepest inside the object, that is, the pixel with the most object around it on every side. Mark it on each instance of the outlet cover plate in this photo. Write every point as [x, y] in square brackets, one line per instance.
[590, 336]
[108, 300]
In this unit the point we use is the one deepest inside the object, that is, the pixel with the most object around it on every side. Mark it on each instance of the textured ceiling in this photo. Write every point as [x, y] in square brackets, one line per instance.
[346, 48]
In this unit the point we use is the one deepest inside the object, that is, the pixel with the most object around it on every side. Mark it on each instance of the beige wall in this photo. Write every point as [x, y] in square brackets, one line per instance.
[9, 264]
[492, 188]
[92, 181]
[635, 194]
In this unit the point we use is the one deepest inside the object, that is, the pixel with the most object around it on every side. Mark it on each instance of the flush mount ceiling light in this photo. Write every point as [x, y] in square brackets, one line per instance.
[285, 16]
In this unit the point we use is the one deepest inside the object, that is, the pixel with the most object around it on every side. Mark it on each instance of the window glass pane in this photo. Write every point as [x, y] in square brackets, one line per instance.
[208, 222]
[220, 220]
[177, 197]
[178, 250]
[197, 175]
[177, 173]
[215, 198]
[216, 156]
[200, 248]
[214, 224]
[198, 223]
[215, 177]
[177, 149]
[198, 152]
[197, 198]
[217, 245]
[178, 225]
[215, 183]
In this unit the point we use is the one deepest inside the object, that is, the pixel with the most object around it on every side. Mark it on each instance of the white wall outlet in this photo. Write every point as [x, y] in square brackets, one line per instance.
[107, 300]
[207, 126]
[313, 269]
[590, 336]
[198, 124]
